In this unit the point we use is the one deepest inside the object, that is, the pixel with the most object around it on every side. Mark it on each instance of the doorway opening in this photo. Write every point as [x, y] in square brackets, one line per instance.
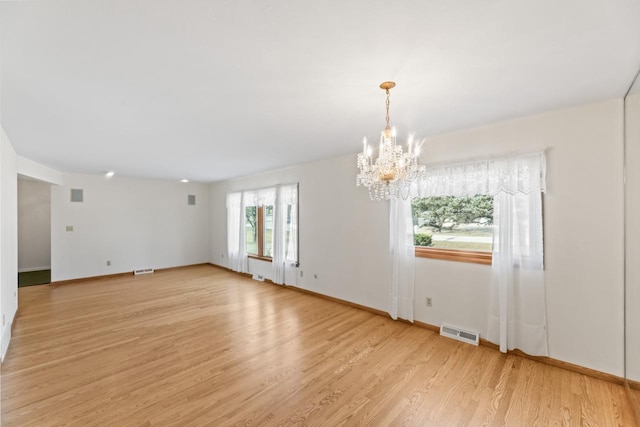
[34, 232]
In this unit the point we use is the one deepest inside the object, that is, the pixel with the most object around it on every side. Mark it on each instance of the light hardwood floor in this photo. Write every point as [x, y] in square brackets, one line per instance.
[203, 346]
[635, 403]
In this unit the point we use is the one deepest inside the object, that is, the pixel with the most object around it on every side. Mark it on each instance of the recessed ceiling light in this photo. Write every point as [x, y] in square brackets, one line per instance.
[184, 180]
[109, 174]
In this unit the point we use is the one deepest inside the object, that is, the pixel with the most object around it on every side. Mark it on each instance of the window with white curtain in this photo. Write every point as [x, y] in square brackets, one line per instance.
[517, 312]
[263, 224]
[453, 208]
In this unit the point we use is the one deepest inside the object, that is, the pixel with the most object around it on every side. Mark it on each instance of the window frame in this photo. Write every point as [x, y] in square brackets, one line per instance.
[459, 255]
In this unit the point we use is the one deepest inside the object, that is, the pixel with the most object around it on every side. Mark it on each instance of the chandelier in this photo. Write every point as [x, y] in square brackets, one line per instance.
[391, 174]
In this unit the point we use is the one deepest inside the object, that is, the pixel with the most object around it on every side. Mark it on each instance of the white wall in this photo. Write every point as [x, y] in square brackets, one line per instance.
[134, 223]
[8, 238]
[583, 224]
[344, 236]
[336, 242]
[34, 225]
[633, 236]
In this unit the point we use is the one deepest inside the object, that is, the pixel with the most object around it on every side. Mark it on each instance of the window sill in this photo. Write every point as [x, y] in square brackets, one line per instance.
[475, 257]
[261, 258]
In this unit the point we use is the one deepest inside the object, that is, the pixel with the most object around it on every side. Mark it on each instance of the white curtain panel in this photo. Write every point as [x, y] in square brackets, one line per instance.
[289, 197]
[279, 232]
[236, 246]
[292, 245]
[286, 196]
[403, 257]
[517, 317]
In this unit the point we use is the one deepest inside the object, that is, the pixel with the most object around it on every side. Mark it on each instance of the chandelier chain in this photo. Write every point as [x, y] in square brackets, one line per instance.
[387, 115]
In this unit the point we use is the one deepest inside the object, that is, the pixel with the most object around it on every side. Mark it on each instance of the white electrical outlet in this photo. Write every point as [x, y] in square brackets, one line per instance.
[315, 276]
[301, 273]
[429, 302]
[108, 263]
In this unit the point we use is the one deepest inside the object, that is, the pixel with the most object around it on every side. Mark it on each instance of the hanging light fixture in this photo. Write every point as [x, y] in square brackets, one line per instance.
[391, 174]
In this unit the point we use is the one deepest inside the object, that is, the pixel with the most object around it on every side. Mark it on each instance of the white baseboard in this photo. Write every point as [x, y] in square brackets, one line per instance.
[28, 269]
[4, 343]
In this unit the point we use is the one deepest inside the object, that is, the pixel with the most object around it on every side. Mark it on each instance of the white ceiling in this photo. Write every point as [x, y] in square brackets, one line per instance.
[209, 90]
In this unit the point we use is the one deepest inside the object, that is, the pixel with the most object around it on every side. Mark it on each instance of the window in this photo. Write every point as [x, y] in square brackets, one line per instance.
[263, 224]
[454, 228]
[251, 230]
[259, 230]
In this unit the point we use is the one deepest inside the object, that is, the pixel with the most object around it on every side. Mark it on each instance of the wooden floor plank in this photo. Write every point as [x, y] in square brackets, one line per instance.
[204, 346]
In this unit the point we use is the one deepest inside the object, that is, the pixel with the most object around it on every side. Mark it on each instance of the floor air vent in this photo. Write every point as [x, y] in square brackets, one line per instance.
[258, 277]
[143, 271]
[460, 334]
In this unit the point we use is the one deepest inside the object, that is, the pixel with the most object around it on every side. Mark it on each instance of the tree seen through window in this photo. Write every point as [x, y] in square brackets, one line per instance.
[251, 229]
[448, 222]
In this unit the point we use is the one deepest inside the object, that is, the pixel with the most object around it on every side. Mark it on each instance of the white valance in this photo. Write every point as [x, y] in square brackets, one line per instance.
[288, 194]
[515, 174]
[262, 197]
